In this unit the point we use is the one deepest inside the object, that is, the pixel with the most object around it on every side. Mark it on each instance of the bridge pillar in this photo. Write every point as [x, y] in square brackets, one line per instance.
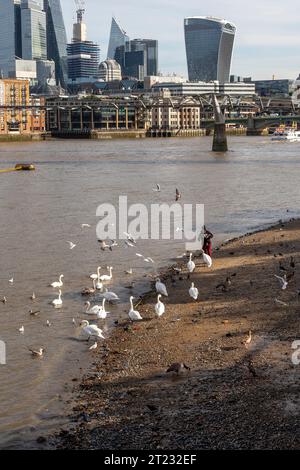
[220, 138]
[251, 128]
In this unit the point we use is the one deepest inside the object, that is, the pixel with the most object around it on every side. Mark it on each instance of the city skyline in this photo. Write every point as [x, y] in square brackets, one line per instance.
[267, 40]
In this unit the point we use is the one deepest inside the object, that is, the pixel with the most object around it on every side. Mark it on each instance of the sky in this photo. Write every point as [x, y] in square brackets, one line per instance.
[267, 42]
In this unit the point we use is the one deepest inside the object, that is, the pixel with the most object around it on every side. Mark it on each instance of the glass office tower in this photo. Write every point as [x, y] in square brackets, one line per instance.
[209, 44]
[57, 40]
[117, 38]
[33, 25]
[10, 36]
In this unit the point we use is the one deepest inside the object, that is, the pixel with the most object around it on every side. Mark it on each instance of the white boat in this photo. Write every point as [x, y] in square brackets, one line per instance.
[291, 135]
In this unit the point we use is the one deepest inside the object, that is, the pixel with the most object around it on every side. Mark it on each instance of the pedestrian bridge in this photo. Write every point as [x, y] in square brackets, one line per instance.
[254, 124]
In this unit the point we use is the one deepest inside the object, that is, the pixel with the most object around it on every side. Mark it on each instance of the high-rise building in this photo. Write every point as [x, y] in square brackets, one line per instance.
[152, 56]
[11, 63]
[33, 26]
[110, 70]
[10, 36]
[118, 38]
[209, 44]
[56, 40]
[138, 58]
[83, 55]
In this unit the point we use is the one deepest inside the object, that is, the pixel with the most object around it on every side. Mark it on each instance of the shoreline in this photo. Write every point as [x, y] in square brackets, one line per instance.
[127, 384]
[118, 135]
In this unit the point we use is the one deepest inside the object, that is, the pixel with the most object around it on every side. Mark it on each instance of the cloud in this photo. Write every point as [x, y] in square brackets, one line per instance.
[267, 40]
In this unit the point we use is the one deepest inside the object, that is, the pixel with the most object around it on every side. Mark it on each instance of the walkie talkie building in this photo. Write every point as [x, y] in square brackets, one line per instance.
[209, 44]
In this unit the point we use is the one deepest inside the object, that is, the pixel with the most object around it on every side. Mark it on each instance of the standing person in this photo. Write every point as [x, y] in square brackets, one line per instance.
[207, 245]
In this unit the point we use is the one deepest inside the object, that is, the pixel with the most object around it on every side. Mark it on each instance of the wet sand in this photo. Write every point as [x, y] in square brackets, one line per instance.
[235, 396]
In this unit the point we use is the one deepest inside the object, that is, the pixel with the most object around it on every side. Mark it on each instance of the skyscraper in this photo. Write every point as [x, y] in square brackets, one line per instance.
[83, 55]
[33, 26]
[138, 58]
[209, 44]
[10, 35]
[118, 38]
[152, 56]
[56, 40]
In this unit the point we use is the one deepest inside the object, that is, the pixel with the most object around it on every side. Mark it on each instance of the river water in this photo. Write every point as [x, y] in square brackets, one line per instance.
[253, 185]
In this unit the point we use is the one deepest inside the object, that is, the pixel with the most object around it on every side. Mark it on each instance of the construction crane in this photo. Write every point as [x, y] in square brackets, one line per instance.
[80, 6]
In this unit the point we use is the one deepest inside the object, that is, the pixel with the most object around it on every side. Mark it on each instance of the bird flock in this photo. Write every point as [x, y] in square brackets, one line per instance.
[100, 284]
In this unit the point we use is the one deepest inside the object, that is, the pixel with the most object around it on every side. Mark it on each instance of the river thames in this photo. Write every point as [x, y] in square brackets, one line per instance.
[255, 184]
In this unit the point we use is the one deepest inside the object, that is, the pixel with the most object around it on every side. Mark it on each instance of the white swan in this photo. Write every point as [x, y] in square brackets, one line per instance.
[91, 330]
[194, 292]
[107, 277]
[161, 288]
[55, 285]
[95, 277]
[207, 260]
[58, 302]
[134, 315]
[159, 307]
[92, 310]
[191, 265]
[102, 314]
[99, 284]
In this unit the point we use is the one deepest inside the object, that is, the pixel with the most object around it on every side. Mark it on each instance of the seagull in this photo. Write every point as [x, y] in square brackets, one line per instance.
[248, 340]
[48, 323]
[11, 281]
[191, 265]
[33, 297]
[159, 307]
[85, 226]
[95, 346]
[72, 245]
[38, 352]
[283, 281]
[178, 195]
[34, 314]
[161, 288]
[130, 237]
[59, 283]
[277, 301]
[4, 300]
[134, 315]
[129, 272]
[58, 302]
[91, 330]
[157, 189]
[129, 244]
[22, 330]
[104, 245]
[194, 292]
[178, 368]
[74, 322]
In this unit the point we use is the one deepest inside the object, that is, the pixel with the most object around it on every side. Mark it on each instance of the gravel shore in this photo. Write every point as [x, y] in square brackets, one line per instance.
[235, 396]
